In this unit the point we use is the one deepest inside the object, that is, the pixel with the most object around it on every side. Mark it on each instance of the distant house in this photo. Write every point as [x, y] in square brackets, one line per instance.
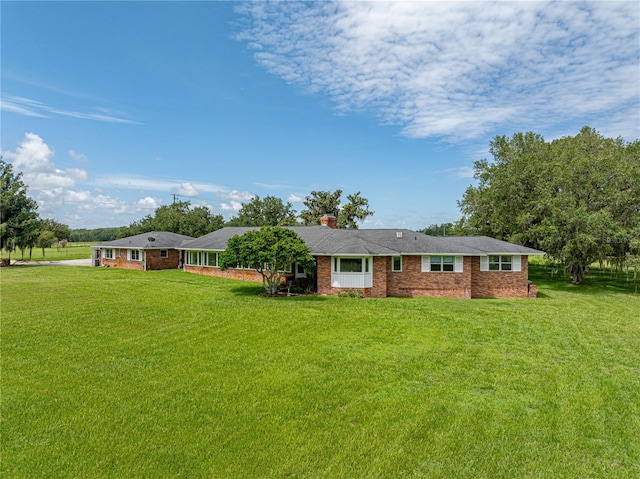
[387, 262]
[146, 251]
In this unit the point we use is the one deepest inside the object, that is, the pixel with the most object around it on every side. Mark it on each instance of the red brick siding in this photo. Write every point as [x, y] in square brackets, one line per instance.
[120, 260]
[413, 282]
[323, 277]
[154, 261]
[241, 274]
[500, 284]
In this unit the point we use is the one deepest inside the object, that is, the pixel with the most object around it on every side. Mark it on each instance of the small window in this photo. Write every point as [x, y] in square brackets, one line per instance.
[133, 255]
[300, 269]
[396, 263]
[500, 263]
[108, 253]
[442, 263]
[164, 253]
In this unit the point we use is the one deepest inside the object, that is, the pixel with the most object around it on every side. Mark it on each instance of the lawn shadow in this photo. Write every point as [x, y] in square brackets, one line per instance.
[257, 291]
[595, 284]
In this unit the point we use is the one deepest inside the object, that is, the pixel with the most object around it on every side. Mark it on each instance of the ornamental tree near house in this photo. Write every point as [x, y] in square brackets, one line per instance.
[271, 251]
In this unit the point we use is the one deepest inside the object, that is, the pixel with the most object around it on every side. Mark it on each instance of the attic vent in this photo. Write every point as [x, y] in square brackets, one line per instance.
[398, 234]
[151, 239]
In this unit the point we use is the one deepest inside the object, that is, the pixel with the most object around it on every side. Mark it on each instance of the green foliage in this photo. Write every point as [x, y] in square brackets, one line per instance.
[45, 240]
[201, 377]
[577, 198]
[84, 235]
[61, 231]
[270, 211]
[444, 229]
[18, 215]
[321, 203]
[179, 217]
[353, 293]
[271, 251]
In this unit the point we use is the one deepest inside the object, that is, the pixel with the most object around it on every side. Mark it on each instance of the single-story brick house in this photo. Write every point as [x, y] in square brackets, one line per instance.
[146, 251]
[388, 262]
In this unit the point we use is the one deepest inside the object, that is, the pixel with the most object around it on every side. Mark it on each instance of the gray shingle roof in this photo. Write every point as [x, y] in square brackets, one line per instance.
[151, 240]
[385, 242]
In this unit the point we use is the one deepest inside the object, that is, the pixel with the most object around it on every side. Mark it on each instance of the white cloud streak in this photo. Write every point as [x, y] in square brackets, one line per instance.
[460, 70]
[29, 107]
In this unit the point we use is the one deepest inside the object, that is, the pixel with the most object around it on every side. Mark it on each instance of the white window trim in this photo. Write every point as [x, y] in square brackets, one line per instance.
[393, 263]
[113, 253]
[205, 259]
[362, 279]
[166, 253]
[458, 264]
[516, 263]
[130, 255]
[188, 257]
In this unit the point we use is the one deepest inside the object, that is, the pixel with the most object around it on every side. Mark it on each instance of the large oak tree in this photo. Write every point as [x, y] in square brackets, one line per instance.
[577, 198]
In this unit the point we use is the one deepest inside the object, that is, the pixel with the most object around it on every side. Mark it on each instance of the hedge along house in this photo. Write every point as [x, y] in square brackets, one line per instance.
[388, 262]
[146, 251]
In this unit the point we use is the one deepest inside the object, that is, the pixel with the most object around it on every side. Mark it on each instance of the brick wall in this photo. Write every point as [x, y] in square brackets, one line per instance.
[154, 261]
[241, 274]
[120, 261]
[411, 281]
[323, 278]
[500, 284]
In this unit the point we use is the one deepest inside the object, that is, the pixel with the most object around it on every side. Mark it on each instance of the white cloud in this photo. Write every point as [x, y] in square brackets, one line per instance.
[233, 206]
[295, 198]
[35, 159]
[186, 189]
[460, 172]
[29, 107]
[459, 69]
[148, 204]
[236, 196]
[77, 156]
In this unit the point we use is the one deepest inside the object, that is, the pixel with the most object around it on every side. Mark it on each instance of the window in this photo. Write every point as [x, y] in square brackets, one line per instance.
[442, 263]
[133, 254]
[211, 259]
[351, 265]
[108, 253]
[500, 263]
[194, 258]
[164, 253]
[396, 264]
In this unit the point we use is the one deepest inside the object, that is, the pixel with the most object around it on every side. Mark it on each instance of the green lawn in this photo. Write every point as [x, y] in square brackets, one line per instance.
[114, 373]
[55, 253]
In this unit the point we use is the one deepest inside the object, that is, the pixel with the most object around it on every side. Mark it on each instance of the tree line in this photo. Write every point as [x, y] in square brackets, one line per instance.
[577, 198]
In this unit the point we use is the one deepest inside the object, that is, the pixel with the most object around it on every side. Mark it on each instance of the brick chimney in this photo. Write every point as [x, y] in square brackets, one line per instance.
[329, 221]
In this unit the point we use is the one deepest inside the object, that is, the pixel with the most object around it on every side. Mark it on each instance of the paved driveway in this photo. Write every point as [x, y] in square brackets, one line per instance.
[66, 262]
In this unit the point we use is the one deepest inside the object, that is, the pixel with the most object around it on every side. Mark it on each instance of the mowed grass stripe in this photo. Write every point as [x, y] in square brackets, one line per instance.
[112, 373]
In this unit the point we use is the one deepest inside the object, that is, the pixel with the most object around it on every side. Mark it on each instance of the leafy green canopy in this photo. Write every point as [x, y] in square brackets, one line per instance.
[271, 251]
[179, 217]
[18, 215]
[577, 198]
[270, 211]
[321, 203]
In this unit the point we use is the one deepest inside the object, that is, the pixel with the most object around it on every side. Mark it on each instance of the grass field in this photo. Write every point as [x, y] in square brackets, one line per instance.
[113, 373]
[55, 253]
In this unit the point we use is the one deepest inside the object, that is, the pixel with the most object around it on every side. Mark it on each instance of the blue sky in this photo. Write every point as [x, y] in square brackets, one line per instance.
[111, 108]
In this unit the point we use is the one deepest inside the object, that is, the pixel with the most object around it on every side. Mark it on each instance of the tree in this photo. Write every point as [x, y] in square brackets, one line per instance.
[17, 211]
[179, 217]
[444, 229]
[577, 198]
[46, 239]
[61, 231]
[271, 251]
[270, 211]
[321, 203]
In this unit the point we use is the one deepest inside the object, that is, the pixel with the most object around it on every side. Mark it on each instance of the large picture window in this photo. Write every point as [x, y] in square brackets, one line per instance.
[194, 258]
[211, 259]
[351, 265]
